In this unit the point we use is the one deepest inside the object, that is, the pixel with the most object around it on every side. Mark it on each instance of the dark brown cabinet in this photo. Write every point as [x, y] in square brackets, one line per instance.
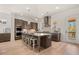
[19, 25]
[34, 26]
[56, 37]
[47, 21]
[45, 42]
[4, 37]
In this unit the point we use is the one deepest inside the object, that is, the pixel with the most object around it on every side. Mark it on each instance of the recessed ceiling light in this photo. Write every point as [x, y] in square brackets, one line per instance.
[57, 7]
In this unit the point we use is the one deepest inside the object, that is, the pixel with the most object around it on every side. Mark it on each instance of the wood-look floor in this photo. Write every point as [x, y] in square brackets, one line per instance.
[57, 48]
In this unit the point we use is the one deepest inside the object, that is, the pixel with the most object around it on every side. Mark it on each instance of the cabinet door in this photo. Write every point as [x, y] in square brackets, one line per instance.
[45, 42]
[56, 37]
[5, 37]
[47, 21]
[24, 24]
[34, 25]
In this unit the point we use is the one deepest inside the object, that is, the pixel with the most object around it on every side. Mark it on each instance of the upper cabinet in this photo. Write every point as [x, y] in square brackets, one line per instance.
[47, 21]
[34, 25]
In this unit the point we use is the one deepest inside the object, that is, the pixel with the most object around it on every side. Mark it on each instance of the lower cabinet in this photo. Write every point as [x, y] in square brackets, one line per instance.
[4, 37]
[56, 37]
[45, 42]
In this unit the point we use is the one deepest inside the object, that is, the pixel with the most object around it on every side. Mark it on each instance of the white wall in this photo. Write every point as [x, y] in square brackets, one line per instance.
[61, 19]
[7, 18]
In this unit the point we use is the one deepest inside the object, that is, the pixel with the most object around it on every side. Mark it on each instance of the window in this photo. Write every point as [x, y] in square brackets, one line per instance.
[71, 28]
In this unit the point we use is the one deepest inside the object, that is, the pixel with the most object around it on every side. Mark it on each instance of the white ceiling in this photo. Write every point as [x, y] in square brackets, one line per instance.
[16, 7]
[36, 9]
[52, 8]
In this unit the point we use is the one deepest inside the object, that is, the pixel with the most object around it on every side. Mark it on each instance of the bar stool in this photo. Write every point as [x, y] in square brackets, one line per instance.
[32, 41]
[28, 40]
[23, 37]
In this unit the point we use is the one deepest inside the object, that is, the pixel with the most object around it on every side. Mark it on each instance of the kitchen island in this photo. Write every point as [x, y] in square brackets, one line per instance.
[43, 39]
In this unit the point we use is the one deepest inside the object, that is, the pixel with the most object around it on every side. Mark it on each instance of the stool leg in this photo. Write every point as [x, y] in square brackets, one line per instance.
[33, 44]
[30, 42]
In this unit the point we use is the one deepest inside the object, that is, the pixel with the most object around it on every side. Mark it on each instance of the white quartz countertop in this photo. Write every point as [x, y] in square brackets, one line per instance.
[41, 34]
[38, 34]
